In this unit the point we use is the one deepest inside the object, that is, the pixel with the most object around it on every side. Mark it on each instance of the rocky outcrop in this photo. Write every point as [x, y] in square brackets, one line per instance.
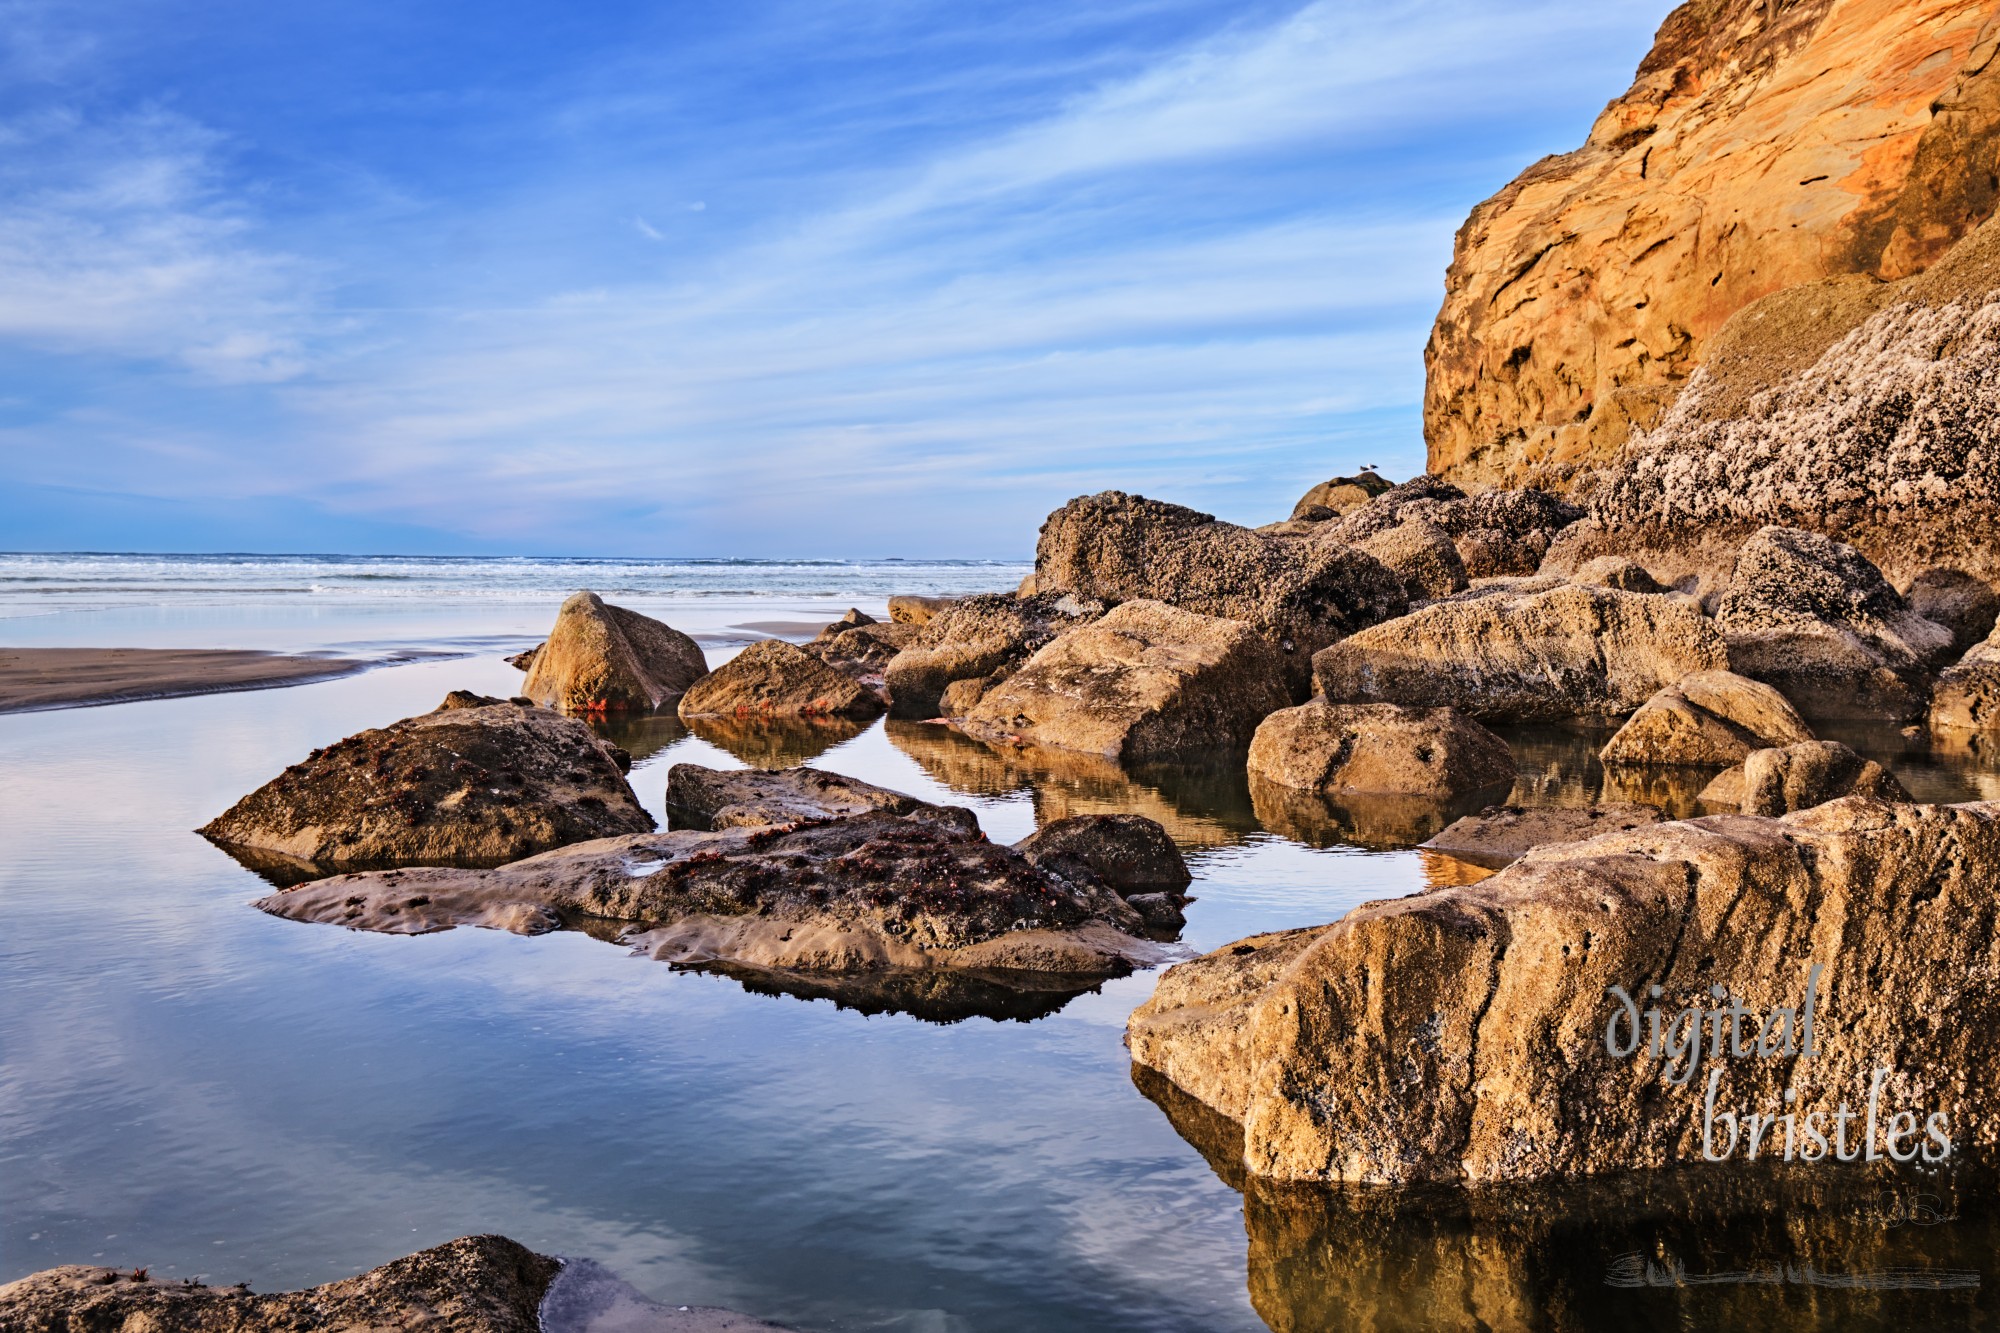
[1709, 720]
[1615, 571]
[1564, 652]
[979, 639]
[1782, 779]
[860, 895]
[1501, 835]
[476, 782]
[1461, 1035]
[910, 609]
[1814, 618]
[1422, 555]
[1967, 696]
[1130, 854]
[1496, 533]
[1378, 750]
[1148, 681]
[1797, 153]
[477, 1284]
[1338, 496]
[715, 798]
[771, 679]
[1301, 595]
[862, 648]
[603, 658]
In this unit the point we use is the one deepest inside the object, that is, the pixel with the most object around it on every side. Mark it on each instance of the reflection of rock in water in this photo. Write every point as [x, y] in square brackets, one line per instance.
[1719, 1248]
[935, 996]
[776, 742]
[1204, 803]
[641, 735]
[274, 868]
[1444, 872]
[1558, 764]
[1379, 823]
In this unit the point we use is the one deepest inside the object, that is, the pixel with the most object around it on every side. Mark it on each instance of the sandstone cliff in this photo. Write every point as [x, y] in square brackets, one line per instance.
[1820, 148]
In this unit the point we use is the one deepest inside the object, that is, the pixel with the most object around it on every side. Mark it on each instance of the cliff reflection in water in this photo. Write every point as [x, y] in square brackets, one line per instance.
[1710, 1248]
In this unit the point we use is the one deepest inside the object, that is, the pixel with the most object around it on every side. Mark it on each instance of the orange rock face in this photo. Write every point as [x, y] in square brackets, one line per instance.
[1761, 147]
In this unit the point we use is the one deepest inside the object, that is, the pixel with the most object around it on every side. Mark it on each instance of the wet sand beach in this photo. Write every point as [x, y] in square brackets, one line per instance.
[36, 678]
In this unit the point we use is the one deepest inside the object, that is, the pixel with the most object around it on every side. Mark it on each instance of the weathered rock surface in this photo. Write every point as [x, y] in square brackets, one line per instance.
[979, 638]
[1302, 595]
[1813, 147]
[1496, 533]
[1569, 651]
[1709, 719]
[477, 1284]
[1460, 1035]
[1379, 750]
[1338, 496]
[1782, 779]
[858, 895]
[717, 798]
[1501, 835]
[1814, 618]
[476, 782]
[772, 678]
[1966, 606]
[1422, 555]
[1967, 696]
[1147, 681]
[1614, 571]
[603, 658]
[910, 609]
[862, 648]
[1131, 853]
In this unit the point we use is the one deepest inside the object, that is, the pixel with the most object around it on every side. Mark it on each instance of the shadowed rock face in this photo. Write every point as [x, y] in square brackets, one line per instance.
[1460, 1035]
[478, 1284]
[714, 798]
[1131, 853]
[978, 639]
[1569, 651]
[1338, 496]
[772, 678]
[477, 782]
[1967, 697]
[1760, 148]
[1378, 750]
[858, 895]
[1301, 595]
[1956, 600]
[602, 658]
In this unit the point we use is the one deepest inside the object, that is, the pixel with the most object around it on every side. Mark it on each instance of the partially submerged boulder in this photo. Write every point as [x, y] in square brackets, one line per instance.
[1469, 1034]
[1501, 835]
[1814, 618]
[1338, 496]
[1967, 696]
[1147, 681]
[1130, 854]
[1378, 749]
[1422, 555]
[863, 894]
[1301, 595]
[716, 798]
[772, 678]
[603, 658]
[978, 638]
[1569, 651]
[1782, 779]
[476, 782]
[1706, 720]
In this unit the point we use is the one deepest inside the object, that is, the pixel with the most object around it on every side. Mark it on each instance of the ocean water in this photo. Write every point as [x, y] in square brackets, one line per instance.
[190, 1085]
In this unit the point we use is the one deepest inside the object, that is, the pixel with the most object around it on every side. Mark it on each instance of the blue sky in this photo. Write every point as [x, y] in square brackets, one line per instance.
[765, 278]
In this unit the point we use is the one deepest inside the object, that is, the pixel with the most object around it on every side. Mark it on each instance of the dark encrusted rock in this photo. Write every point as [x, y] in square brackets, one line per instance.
[603, 658]
[1966, 606]
[1301, 595]
[749, 798]
[1131, 853]
[477, 782]
[772, 678]
[977, 638]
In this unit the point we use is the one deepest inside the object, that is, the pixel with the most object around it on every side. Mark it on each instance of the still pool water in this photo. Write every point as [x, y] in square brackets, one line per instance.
[188, 1084]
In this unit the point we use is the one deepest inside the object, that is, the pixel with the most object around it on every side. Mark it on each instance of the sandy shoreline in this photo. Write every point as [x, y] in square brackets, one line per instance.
[32, 679]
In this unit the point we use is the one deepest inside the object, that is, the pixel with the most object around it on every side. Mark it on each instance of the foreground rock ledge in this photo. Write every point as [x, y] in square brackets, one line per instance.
[1459, 1035]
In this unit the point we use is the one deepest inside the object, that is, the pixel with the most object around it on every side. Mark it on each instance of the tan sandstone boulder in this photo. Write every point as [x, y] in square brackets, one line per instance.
[1379, 750]
[1501, 835]
[1146, 681]
[1709, 719]
[979, 639]
[772, 678]
[1779, 780]
[1422, 555]
[1338, 496]
[1967, 696]
[1567, 651]
[603, 658]
[476, 782]
[1469, 1034]
[910, 609]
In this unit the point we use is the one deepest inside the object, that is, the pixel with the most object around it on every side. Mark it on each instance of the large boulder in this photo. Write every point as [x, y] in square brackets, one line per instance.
[717, 798]
[1496, 533]
[980, 639]
[1502, 835]
[1337, 496]
[1471, 1034]
[1131, 854]
[1148, 681]
[1967, 696]
[1708, 720]
[604, 658]
[1301, 595]
[1422, 555]
[772, 678]
[1966, 606]
[911, 609]
[1814, 618]
[1564, 652]
[1379, 750]
[862, 648]
[476, 782]
[1782, 779]
[864, 894]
